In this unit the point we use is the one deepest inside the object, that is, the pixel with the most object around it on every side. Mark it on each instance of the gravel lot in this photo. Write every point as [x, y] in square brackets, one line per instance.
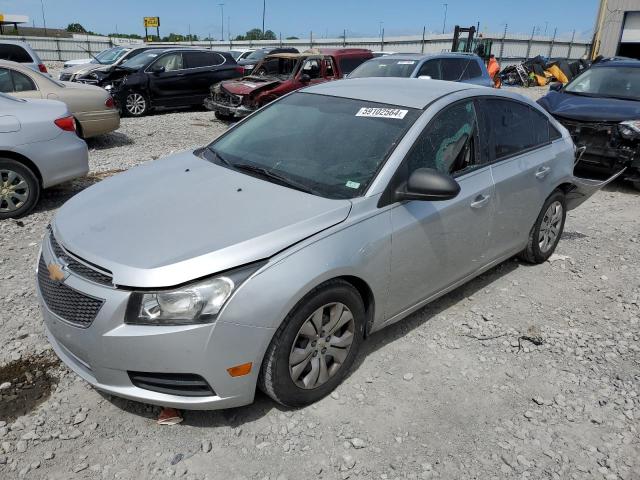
[528, 372]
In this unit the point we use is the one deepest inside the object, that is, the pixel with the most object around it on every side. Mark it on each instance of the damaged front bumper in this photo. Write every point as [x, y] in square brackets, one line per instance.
[226, 109]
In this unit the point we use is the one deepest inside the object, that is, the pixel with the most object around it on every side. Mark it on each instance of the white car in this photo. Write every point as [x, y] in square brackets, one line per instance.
[21, 52]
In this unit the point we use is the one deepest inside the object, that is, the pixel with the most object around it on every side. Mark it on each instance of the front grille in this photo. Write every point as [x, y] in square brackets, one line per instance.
[226, 98]
[79, 268]
[69, 304]
[594, 135]
[183, 384]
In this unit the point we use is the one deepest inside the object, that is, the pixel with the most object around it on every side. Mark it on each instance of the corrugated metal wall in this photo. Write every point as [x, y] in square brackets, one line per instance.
[613, 23]
[511, 49]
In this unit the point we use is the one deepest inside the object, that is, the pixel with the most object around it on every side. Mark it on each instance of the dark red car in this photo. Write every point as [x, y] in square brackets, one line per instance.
[279, 74]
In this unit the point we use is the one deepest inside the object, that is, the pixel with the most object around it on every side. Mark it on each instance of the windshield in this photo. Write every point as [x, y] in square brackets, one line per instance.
[141, 59]
[332, 147]
[385, 67]
[257, 55]
[618, 82]
[107, 57]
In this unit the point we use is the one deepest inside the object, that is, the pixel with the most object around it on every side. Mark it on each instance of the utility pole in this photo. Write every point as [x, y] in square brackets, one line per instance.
[44, 20]
[444, 23]
[380, 28]
[546, 25]
[221, 5]
[264, 9]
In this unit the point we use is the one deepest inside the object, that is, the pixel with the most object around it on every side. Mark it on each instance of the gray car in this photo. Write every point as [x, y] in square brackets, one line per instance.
[21, 52]
[267, 257]
[39, 148]
[455, 67]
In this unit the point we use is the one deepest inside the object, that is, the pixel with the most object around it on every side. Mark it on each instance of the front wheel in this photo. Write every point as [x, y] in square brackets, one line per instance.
[225, 117]
[19, 189]
[315, 346]
[547, 230]
[136, 104]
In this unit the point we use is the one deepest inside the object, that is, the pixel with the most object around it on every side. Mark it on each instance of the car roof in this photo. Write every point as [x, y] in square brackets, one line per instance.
[617, 62]
[421, 56]
[406, 92]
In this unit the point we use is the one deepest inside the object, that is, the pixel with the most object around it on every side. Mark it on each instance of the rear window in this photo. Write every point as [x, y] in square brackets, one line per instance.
[385, 67]
[349, 64]
[15, 53]
[452, 69]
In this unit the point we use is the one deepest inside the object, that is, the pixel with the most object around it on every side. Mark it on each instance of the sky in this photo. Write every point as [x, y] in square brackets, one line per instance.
[326, 18]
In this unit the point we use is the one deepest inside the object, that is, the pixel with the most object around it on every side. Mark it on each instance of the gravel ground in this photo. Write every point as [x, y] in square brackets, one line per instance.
[528, 372]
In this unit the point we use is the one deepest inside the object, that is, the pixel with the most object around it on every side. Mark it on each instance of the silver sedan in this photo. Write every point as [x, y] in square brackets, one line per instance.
[267, 257]
[39, 148]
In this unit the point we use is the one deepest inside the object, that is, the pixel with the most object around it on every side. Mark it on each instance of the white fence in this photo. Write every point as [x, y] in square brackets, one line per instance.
[509, 48]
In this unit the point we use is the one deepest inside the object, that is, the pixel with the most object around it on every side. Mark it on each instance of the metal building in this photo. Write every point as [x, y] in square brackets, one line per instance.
[617, 29]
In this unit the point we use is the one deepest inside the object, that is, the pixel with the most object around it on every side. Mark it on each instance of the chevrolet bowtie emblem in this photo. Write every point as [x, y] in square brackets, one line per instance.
[55, 272]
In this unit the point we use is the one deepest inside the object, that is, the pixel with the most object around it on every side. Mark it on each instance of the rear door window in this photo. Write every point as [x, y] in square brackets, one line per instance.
[510, 123]
[540, 126]
[6, 82]
[202, 59]
[15, 53]
[453, 69]
[22, 83]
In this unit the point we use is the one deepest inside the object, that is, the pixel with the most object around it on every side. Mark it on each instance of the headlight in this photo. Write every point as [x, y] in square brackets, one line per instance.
[629, 128]
[249, 67]
[108, 87]
[199, 302]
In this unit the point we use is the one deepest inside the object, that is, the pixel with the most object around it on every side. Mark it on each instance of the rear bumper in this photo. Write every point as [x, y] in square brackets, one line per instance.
[58, 160]
[98, 122]
[226, 109]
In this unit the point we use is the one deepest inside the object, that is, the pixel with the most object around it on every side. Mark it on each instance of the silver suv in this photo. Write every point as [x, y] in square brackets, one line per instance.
[267, 257]
[21, 52]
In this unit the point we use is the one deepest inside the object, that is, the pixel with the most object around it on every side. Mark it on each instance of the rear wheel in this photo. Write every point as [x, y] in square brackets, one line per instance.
[136, 104]
[19, 189]
[547, 230]
[315, 346]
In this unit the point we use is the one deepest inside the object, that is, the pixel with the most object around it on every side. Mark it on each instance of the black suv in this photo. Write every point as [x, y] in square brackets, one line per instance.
[166, 78]
[252, 60]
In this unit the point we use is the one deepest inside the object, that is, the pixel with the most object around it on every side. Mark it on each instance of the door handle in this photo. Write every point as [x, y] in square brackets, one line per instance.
[480, 201]
[543, 172]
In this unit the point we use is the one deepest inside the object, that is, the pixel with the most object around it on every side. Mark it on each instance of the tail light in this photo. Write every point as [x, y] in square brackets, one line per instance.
[68, 124]
[239, 69]
[42, 68]
[109, 103]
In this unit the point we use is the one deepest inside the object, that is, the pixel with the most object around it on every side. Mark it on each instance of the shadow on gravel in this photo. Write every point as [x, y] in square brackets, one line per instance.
[108, 140]
[53, 198]
[236, 417]
[398, 330]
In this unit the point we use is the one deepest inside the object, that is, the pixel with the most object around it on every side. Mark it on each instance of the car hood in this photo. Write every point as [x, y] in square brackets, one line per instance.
[248, 85]
[590, 109]
[180, 218]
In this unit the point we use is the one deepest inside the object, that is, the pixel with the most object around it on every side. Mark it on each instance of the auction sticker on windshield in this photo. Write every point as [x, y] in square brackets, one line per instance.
[382, 113]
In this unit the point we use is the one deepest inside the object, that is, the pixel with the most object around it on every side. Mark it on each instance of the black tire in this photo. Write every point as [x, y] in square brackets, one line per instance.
[32, 189]
[135, 104]
[225, 117]
[275, 378]
[534, 253]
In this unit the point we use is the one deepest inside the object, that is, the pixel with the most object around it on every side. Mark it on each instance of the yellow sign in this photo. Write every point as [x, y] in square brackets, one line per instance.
[152, 22]
[1, 17]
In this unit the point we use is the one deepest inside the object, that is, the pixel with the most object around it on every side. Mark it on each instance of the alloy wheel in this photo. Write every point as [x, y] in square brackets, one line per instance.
[136, 104]
[14, 191]
[321, 346]
[550, 226]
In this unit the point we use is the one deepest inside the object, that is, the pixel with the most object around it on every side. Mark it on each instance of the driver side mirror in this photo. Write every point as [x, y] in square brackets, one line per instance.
[305, 78]
[428, 184]
[158, 69]
[555, 86]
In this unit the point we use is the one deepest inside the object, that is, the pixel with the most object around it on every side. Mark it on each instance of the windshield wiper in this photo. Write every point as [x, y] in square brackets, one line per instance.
[268, 174]
[580, 94]
[221, 158]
